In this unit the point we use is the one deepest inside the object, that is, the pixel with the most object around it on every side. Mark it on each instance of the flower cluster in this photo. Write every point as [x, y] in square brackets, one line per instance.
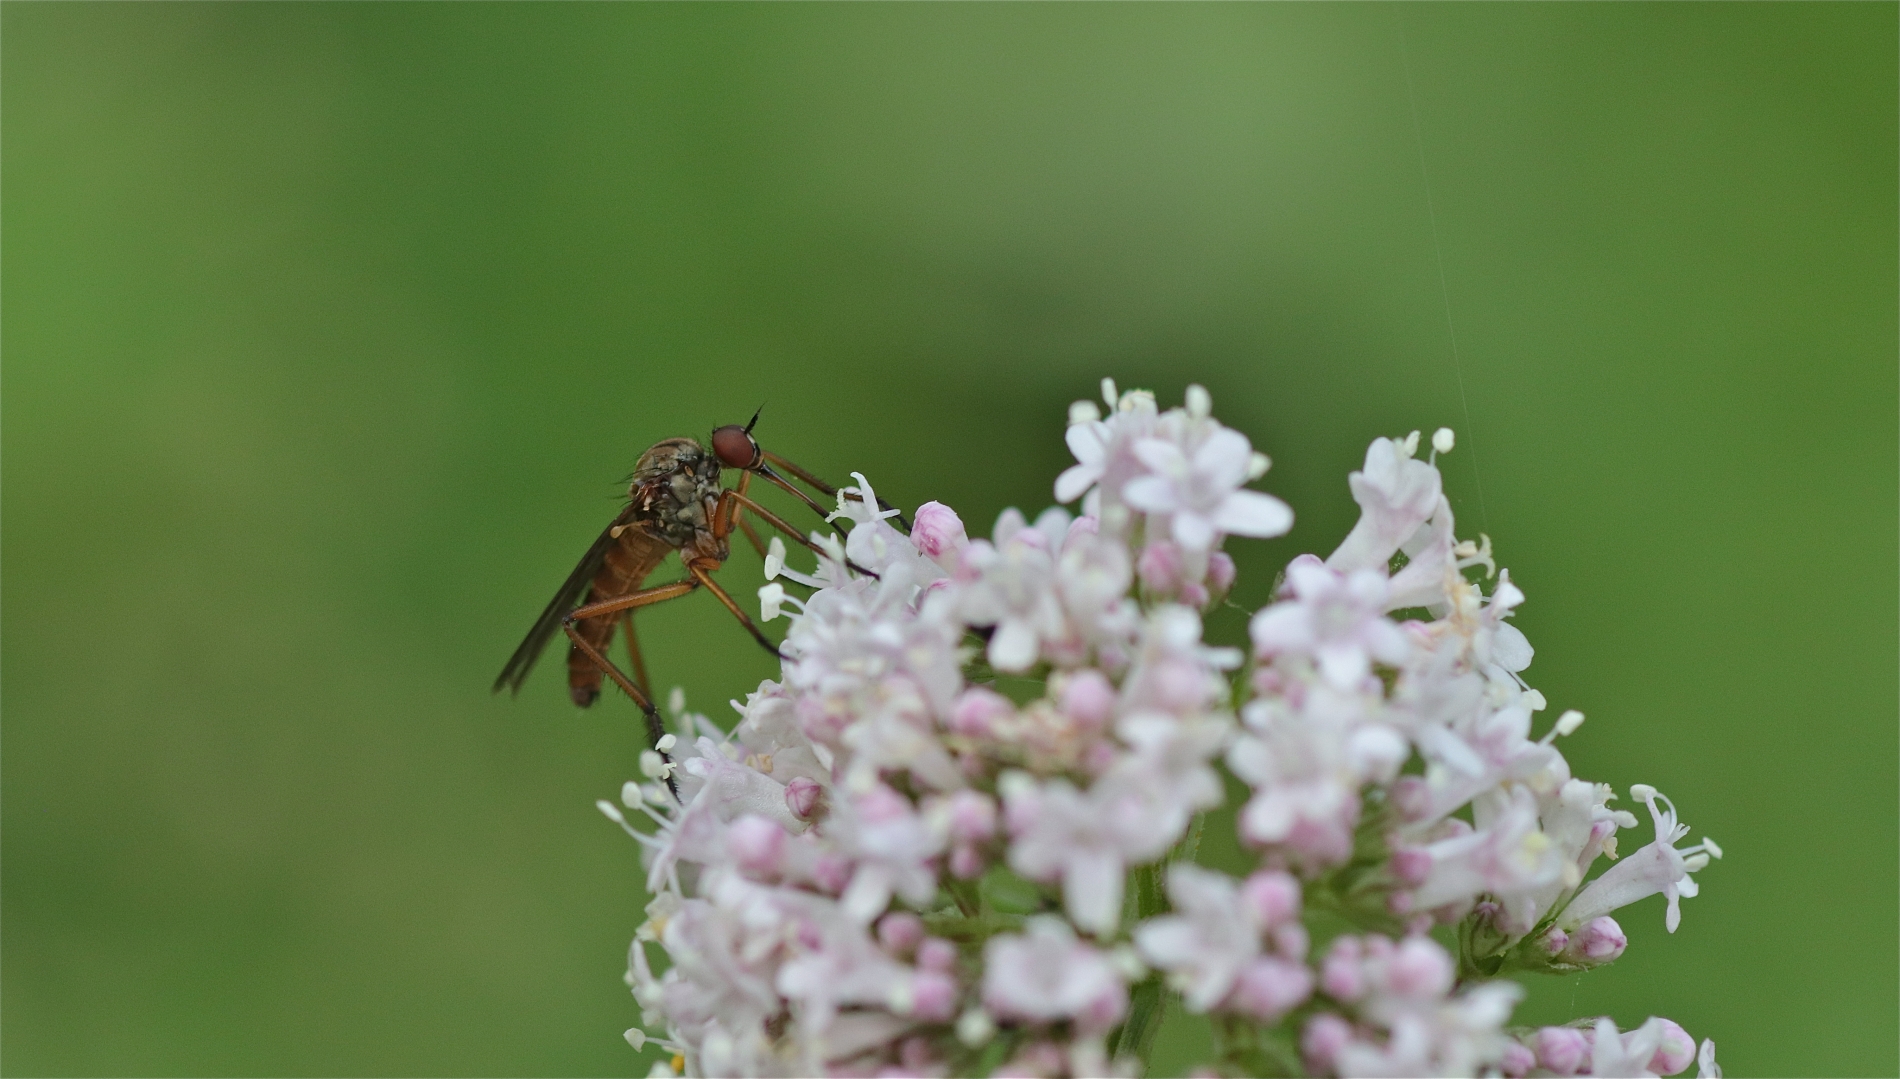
[957, 834]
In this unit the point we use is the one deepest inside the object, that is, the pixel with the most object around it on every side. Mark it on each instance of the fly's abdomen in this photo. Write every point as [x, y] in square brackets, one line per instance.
[625, 568]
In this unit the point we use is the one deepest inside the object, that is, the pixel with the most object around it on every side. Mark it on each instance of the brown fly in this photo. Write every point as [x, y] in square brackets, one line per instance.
[674, 503]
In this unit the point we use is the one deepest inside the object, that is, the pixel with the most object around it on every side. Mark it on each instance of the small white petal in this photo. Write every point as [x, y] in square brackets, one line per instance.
[1150, 494]
[1013, 648]
[1199, 402]
[1250, 513]
[1193, 531]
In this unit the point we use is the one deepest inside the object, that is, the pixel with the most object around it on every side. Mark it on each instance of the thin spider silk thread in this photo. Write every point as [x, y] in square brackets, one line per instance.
[1444, 290]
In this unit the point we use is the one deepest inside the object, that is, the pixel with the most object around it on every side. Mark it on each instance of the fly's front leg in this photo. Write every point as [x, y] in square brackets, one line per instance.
[827, 489]
[729, 503]
[738, 518]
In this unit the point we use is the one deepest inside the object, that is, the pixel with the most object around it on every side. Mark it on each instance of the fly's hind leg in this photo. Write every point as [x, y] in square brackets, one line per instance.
[633, 654]
[623, 606]
[656, 727]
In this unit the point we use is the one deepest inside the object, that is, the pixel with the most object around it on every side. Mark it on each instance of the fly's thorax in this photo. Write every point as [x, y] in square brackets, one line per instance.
[674, 489]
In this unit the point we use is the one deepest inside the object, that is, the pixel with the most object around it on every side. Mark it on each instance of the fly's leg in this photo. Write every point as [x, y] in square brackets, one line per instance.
[825, 488]
[745, 482]
[701, 569]
[633, 654]
[624, 606]
[757, 543]
[730, 502]
[656, 728]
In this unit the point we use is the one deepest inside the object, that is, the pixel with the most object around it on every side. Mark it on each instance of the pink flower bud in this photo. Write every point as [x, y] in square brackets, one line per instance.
[1411, 865]
[1411, 797]
[1178, 685]
[1562, 1050]
[966, 862]
[1340, 974]
[937, 530]
[1269, 988]
[1420, 969]
[936, 953]
[977, 711]
[972, 816]
[1273, 896]
[1106, 1009]
[1291, 941]
[880, 804]
[900, 931]
[831, 872]
[1553, 941]
[1089, 699]
[1599, 941]
[933, 996]
[757, 845]
[914, 1054]
[1159, 566]
[801, 796]
[1517, 1061]
[1098, 758]
[1677, 1050]
[1325, 1036]
[1220, 572]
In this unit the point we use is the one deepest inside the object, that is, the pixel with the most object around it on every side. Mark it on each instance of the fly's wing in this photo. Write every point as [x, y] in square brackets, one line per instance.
[549, 624]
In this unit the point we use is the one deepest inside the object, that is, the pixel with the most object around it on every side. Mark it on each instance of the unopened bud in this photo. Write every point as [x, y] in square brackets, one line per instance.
[1443, 439]
[1675, 1053]
[1200, 403]
[900, 931]
[1273, 896]
[1599, 941]
[1562, 1050]
[801, 796]
[757, 845]
[975, 1027]
[771, 599]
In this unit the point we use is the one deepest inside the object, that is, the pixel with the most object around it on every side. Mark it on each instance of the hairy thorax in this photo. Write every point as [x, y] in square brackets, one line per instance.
[674, 490]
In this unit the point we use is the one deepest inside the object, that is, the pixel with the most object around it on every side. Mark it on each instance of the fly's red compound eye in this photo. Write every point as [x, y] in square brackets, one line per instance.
[735, 447]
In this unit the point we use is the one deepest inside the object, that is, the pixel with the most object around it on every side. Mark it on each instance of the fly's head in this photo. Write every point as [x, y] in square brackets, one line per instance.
[674, 489]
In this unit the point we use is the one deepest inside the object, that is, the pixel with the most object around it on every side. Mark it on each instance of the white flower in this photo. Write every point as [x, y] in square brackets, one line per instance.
[1200, 495]
[1087, 840]
[1011, 585]
[1047, 974]
[1336, 618]
[1396, 495]
[1210, 938]
[1658, 867]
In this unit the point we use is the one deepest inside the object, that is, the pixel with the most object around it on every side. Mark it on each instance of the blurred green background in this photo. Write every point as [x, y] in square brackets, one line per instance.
[329, 332]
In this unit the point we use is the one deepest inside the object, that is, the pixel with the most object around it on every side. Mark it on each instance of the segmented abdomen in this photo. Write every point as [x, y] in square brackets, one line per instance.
[625, 568]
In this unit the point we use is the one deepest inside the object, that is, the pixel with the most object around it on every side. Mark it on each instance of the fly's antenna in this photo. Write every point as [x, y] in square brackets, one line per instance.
[755, 418]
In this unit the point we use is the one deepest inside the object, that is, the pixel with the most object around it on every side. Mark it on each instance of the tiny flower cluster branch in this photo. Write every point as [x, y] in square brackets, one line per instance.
[956, 835]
